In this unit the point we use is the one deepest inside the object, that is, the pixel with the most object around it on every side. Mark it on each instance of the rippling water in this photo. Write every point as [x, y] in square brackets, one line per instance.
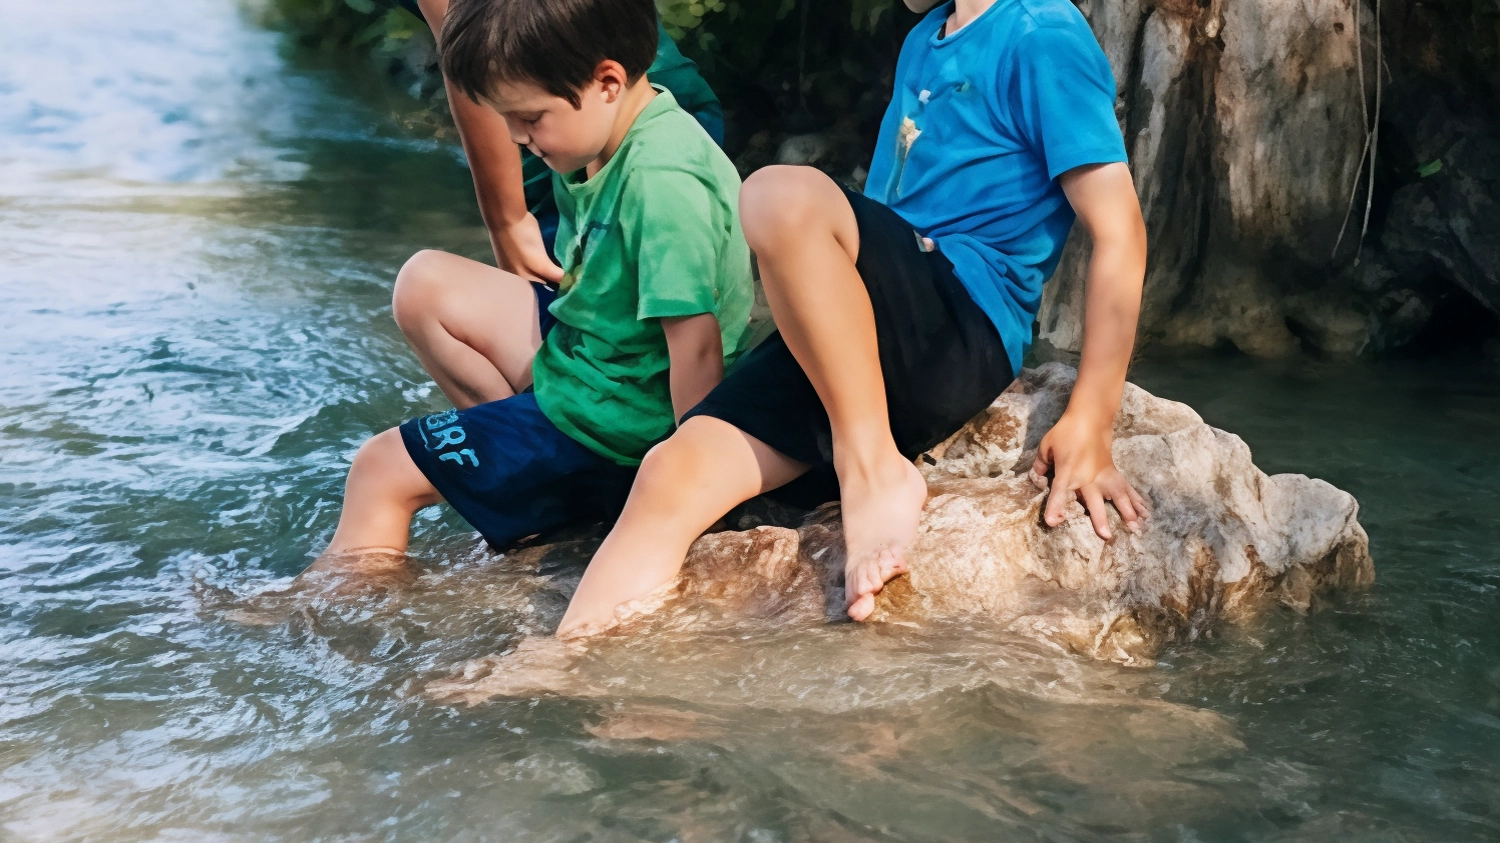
[198, 234]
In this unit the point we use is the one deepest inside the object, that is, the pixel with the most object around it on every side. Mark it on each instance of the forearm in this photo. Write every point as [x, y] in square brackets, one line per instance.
[494, 162]
[1112, 310]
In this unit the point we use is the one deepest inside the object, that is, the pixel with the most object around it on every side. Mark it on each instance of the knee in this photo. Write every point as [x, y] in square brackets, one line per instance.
[379, 454]
[783, 202]
[675, 473]
[417, 290]
[668, 464]
[383, 471]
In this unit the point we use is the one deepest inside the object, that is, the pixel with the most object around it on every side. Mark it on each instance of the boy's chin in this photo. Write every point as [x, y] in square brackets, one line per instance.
[920, 6]
[565, 166]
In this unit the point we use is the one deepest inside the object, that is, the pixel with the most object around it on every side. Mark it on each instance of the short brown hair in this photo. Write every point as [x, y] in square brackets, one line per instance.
[554, 44]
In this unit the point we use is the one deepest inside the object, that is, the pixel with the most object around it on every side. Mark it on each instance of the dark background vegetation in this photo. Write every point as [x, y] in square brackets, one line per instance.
[781, 68]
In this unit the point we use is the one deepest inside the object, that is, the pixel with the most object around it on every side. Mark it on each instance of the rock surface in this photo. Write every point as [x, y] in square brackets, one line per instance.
[1223, 542]
[1246, 127]
[1243, 121]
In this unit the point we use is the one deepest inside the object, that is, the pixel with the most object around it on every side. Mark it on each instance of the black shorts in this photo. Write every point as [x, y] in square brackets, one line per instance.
[942, 359]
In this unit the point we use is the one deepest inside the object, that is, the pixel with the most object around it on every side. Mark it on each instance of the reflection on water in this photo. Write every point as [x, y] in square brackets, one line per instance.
[197, 240]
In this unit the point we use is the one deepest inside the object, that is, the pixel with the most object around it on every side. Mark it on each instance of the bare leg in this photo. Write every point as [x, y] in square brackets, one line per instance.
[806, 241]
[385, 488]
[474, 327]
[685, 484]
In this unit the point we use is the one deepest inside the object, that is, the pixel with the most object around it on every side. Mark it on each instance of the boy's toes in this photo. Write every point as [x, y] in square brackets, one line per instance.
[862, 607]
[862, 582]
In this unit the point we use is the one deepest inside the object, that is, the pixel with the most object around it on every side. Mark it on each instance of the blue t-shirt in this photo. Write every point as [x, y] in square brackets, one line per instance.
[980, 126]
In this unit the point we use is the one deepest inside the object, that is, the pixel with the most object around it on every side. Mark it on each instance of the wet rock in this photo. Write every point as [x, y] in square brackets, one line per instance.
[1224, 540]
[1224, 543]
[1330, 323]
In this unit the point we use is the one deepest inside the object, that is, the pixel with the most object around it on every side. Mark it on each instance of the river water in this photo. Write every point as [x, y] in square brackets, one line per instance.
[198, 234]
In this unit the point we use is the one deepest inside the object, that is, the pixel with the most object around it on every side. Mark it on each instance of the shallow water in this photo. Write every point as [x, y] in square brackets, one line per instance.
[198, 234]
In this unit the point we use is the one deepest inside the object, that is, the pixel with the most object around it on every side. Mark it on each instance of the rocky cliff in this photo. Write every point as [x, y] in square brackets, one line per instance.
[1254, 127]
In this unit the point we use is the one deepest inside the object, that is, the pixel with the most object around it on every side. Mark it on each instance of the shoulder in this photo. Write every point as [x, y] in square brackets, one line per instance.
[670, 140]
[1052, 13]
[1052, 24]
[675, 156]
[1052, 38]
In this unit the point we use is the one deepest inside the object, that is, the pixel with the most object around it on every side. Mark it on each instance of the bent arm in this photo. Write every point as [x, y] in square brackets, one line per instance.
[696, 350]
[1077, 449]
[495, 163]
[1104, 198]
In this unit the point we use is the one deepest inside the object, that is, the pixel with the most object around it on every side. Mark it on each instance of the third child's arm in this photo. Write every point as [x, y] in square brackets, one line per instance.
[495, 163]
[697, 354]
[1077, 449]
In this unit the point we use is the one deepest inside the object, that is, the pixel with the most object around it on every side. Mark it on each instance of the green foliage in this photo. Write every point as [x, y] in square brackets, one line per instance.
[367, 25]
[781, 67]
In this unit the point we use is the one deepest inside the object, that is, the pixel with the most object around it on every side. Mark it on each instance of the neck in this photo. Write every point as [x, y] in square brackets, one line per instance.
[632, 102]
[964, 13]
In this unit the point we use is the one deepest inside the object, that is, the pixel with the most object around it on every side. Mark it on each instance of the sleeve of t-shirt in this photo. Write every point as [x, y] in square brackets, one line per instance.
[1063, 95]
[673, 229]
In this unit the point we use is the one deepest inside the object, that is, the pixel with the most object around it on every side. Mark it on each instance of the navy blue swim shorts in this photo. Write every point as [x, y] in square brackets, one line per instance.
[509, 471]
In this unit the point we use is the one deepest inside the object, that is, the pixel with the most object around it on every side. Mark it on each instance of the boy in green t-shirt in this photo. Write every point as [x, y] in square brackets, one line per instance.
[654, 302]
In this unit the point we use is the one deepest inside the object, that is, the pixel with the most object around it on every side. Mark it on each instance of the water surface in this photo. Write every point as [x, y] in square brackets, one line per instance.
[198, 234]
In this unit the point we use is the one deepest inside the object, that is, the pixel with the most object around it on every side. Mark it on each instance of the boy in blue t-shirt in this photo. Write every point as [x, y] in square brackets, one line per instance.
[903, 312]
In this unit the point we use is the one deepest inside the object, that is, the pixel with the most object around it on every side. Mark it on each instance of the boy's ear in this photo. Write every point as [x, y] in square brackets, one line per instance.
[612, 79]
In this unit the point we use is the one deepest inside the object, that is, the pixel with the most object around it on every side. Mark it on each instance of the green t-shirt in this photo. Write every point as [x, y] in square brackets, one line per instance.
[655, 233]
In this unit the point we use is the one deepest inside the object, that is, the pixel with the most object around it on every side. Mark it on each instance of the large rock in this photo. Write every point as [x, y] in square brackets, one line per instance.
[1224, 539]
[1448, 223]
[1245, 122]
[1223, 543]
[1244, 128]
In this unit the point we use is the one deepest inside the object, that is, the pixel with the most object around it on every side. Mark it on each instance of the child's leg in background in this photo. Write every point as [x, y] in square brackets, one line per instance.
[806, 240]
[685, 484]
[474, 327]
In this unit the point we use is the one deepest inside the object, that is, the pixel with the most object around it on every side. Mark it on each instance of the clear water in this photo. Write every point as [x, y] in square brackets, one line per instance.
[197, 240]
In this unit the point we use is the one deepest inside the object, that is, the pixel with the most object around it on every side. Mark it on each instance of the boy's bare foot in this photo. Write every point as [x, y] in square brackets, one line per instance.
[881, 510]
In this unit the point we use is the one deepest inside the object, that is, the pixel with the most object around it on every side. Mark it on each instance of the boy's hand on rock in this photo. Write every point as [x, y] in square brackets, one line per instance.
[1076, 452]
[519, 248]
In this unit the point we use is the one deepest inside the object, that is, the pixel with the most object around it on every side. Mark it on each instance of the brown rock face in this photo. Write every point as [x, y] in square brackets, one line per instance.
[1224, 539]
[1243, 121]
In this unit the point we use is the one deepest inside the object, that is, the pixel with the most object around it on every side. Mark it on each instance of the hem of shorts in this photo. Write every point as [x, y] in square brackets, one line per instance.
[422, 459]
[768, 441]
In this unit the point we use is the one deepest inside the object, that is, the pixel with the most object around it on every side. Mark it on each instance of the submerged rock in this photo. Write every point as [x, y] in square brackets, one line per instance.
[1224, 539]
